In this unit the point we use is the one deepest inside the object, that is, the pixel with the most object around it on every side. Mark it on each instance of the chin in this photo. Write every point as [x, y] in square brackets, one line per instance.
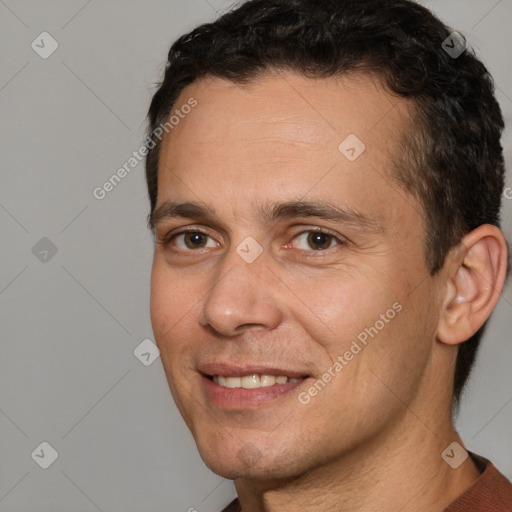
[248, 460]
[234, 470]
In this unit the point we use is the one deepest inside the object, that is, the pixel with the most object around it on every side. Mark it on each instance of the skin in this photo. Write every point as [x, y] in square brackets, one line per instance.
[372, 438]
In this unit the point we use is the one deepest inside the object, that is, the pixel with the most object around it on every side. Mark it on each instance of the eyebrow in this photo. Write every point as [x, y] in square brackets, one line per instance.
[269, 213]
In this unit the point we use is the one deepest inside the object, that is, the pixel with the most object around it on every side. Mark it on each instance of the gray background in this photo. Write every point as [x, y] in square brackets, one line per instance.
[70, 324]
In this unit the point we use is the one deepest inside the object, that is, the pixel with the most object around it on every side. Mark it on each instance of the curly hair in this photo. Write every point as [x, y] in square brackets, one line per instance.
[451, 158]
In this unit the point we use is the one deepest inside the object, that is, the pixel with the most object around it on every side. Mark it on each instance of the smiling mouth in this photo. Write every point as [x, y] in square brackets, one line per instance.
[253, 381]
[245, 388]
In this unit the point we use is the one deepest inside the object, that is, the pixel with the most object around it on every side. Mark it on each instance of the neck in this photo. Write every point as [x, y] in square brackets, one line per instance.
[402, 471]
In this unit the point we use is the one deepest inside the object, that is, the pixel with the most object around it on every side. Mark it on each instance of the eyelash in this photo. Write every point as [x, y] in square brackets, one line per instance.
[166, 240]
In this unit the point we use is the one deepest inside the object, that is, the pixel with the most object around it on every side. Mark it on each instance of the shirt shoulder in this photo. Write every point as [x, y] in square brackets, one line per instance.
[492, 492]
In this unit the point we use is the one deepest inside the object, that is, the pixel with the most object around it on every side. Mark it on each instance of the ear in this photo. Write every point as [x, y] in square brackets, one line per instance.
[475, 275]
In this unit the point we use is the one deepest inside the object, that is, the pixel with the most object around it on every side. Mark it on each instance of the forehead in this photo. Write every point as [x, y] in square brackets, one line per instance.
[285, 135]
[289, 105]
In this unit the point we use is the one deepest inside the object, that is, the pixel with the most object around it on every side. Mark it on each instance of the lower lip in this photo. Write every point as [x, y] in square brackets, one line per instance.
[241, 398]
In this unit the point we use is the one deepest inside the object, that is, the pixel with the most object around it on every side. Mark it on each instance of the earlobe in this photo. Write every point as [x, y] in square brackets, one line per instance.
[476, 274]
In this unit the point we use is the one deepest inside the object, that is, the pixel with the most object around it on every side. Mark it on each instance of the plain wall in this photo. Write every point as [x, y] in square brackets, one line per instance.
[70, 321]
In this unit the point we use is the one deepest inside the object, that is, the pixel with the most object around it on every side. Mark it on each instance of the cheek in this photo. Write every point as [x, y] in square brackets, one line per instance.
[170, 304]
[170, 295]
[170, 309]
[340, 305]
[379, 329]
[396, 358]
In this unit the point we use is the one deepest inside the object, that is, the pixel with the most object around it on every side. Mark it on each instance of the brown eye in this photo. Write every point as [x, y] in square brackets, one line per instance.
[190, 240]
[195, 239]
[316, 240]
[319, 241]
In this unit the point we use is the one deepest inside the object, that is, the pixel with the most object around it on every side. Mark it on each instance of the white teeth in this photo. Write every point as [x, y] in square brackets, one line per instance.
[267, 380]
[252, 381]
[232, 382]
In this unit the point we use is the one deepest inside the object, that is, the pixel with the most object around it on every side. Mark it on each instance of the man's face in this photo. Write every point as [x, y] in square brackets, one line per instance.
[220, 307]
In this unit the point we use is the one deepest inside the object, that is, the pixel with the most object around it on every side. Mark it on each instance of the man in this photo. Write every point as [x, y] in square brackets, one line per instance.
[325, 181]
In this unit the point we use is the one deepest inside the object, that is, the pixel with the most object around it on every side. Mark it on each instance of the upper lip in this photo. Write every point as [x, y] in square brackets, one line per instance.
[241, 370]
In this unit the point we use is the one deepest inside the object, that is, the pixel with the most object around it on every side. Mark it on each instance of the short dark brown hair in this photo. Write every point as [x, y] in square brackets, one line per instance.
[452, 159]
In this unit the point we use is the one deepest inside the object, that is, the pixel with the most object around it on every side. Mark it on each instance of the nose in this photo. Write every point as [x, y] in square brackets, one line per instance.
[242, 296]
